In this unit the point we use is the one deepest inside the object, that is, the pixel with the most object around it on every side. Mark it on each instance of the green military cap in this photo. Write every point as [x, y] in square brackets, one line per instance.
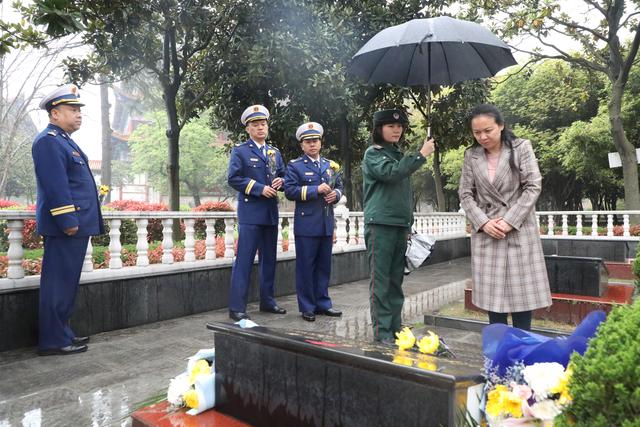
[384, 117]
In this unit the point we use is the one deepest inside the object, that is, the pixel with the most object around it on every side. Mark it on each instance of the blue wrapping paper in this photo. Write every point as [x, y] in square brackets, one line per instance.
[504, 345]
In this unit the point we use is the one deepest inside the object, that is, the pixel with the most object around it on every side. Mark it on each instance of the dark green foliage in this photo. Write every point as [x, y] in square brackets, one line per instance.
[636, 267]
[605, 385]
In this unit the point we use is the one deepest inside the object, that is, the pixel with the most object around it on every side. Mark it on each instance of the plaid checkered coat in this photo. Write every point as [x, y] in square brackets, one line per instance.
[509, 275]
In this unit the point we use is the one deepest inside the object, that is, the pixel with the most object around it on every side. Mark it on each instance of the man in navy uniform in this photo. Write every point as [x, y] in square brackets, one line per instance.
[315, 185]
[255, 171]
[67, 213]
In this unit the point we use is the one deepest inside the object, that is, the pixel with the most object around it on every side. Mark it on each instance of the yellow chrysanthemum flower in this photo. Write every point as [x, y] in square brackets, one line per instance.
[201, 367]
[494, 400]
[427, 363]
[501, 401]
[512, 405]
[405, 339]
[104, 189]
[271, 152]
[429, 343]
[333, 165]
[562, 387]
[401, 358]
[191, 399]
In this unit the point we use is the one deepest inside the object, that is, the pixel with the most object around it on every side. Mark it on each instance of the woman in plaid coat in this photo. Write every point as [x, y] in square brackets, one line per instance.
[499, 187]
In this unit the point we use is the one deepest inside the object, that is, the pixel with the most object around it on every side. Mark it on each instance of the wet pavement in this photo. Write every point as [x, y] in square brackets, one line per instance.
[125, 368]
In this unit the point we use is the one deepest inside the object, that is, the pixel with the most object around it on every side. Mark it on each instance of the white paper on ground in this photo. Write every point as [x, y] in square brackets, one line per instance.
[246, 323]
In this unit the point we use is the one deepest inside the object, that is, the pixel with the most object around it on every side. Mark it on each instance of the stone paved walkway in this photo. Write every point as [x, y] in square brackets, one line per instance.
[126, 367]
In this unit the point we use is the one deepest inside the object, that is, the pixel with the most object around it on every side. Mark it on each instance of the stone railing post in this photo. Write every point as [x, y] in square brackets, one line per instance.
[87, 265]
[114, 244]
[594, 225]
[550, 225]
[15, 252]
[142, 245]
[167, 241]
[292, 237]
[341, 213]
[565, 225]
[279, 244]
[189, 240]
[625, 225]
[229, 241]
[579, 225]
[210, 241]
[609, 225]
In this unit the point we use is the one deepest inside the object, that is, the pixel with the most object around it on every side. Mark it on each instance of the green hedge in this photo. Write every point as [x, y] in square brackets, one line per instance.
[605, 385]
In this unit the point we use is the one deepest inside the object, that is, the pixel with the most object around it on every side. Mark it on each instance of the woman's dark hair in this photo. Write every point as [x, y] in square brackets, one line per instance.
[376, 134]
[506, 136]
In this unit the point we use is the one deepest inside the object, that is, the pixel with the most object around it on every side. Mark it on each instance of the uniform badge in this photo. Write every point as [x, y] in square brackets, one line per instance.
[310, 125]
[52, 133]
[254, 159]
[75, 153]
[308, 173]
[256, 108]
[396, 116]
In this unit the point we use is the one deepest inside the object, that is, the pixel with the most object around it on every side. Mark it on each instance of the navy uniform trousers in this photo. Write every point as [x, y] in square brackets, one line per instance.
[61, 268]
[252, 238]
[67, 198]
[249, 171]
[313, 228]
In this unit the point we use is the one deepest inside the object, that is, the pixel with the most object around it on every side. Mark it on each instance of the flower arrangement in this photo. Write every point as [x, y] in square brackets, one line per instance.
[427, 344]
[195, 388]
[334, 173]
[272, 163]
[526, 395]
[103, 190]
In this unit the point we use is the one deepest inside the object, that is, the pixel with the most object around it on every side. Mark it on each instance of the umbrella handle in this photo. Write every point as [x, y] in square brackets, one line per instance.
[429, 132]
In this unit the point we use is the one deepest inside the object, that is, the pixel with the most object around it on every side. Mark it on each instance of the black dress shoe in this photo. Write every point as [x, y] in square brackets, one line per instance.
[330, 312]
[309, 317]
[389, 342]
[70, 349]
[81, 340]
[275, 310]
[238, 315]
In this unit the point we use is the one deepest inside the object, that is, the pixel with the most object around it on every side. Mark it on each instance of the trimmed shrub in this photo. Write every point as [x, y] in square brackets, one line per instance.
[128, 229]
[636, 267]
[211, 207]
[604, 385]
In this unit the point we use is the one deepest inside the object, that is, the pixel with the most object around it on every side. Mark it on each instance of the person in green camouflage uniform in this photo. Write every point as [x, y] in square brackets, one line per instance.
[388, 216]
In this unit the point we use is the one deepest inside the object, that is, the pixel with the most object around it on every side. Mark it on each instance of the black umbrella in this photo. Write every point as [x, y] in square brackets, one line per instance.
[423, 52]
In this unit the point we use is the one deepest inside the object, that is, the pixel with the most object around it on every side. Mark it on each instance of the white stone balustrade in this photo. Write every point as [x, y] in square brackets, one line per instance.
[349, 235]
[606, 219]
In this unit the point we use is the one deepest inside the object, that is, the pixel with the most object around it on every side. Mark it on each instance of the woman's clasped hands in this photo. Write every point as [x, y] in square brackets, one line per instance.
[497, 228]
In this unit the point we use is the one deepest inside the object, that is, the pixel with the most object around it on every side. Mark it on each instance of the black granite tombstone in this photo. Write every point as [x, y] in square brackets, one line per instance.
[274, 378]
[576, 275]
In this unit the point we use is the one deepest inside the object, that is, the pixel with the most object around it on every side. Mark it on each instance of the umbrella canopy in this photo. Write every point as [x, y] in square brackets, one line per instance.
[422, 52]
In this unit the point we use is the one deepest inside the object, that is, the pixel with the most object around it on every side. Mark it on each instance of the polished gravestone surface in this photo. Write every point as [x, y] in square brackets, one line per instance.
[576, 275]
[282, 378]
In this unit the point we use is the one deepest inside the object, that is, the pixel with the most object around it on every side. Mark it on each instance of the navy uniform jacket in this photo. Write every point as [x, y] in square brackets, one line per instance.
[249, 172]
[67, 195]
[312, 215]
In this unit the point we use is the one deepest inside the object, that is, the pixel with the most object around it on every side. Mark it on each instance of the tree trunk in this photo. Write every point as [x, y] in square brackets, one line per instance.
[437, 177]
[173, 165]
[625, 149]
[196, 199]
[105, 170]
[345, 152]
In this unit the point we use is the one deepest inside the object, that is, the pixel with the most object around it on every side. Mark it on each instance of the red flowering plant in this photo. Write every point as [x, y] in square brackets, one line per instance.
[211, 207]
[128, 229]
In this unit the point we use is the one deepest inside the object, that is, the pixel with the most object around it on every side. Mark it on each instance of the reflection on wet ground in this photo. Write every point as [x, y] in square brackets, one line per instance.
[124, 368]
